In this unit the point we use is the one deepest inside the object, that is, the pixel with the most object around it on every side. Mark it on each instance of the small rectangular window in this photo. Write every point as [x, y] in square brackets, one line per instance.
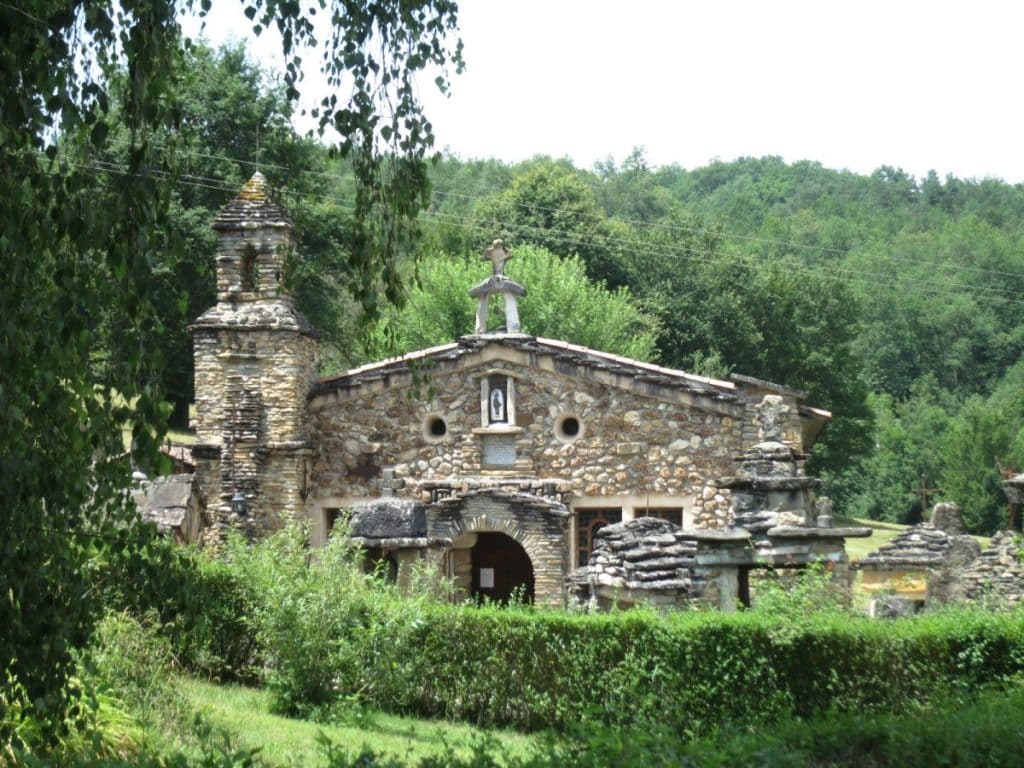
[672, 514]
[588, 523]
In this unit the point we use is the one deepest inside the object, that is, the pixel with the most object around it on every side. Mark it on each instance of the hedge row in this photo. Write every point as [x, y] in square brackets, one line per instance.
[690, 672]
[988, 732]
[321, 633]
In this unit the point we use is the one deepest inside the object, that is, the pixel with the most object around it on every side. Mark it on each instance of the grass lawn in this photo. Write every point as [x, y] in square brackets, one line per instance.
[245, 714]
[881, 533]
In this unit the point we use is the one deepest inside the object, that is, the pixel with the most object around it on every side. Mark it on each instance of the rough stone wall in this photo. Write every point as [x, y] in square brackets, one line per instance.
[251, 426]
[712, 507]
[628, 443]
[539, 525]
[997, 575]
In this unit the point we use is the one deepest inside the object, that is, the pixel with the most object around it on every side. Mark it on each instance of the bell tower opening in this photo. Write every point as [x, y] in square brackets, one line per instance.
[247, 269]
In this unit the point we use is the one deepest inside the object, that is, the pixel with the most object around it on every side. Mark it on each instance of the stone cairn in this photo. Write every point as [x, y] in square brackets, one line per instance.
[921, 547]
[646, 558]
[997, 575]
[772, 488]
[928, 551]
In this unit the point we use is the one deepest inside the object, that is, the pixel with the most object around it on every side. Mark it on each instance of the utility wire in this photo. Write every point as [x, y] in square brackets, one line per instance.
[656, 226]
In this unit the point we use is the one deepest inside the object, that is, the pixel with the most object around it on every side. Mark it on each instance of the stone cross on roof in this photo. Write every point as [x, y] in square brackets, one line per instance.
[497, 255]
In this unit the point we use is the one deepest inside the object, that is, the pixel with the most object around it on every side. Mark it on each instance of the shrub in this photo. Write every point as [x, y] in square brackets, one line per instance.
[200, 602]
[333, 636]
[330, 637]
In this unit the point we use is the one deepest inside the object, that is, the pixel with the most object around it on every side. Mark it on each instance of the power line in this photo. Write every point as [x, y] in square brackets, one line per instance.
[656, 226]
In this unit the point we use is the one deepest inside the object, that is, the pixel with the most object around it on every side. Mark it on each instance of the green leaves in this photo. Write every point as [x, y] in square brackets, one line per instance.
[438, 309]
[94, 251]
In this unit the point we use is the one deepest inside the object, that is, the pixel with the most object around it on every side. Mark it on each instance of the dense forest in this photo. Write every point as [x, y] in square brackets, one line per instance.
[892, 301]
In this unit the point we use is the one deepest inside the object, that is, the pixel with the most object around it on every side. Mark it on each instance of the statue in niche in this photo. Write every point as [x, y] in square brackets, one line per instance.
[497, 401]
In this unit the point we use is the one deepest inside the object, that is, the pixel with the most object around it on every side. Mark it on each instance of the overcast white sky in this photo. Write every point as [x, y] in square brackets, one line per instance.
[920, 85]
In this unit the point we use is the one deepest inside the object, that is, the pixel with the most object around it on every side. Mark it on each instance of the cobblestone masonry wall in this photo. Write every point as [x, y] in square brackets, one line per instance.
[251, 426]
[628, 443]
[538, 525]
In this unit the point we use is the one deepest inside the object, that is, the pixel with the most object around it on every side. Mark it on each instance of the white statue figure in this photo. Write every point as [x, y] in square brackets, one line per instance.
[497, 405]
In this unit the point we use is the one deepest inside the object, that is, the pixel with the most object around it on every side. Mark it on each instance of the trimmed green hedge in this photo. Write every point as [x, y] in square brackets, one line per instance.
[324, 634]
[691, 672]
[331, 634]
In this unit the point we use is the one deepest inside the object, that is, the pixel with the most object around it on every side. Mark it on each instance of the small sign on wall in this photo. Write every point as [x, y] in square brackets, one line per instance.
[486, 578]
[499, 450]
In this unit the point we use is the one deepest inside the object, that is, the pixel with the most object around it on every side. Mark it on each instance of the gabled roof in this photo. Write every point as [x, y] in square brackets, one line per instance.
[565, 357]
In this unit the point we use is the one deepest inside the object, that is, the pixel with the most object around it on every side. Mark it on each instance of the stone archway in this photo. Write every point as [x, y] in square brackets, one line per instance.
[501, 568]
[536, 529]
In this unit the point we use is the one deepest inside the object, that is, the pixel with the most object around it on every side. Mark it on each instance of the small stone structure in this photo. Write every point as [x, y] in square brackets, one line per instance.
[393, 532]
[997, 576]
[500, 456]
[173, 504]
[923, 564]
[772, 489]
[646, 560]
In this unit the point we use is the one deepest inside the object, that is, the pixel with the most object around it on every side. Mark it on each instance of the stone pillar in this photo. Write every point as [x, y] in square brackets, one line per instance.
[255, 359]
[728, 588]
[947, 516]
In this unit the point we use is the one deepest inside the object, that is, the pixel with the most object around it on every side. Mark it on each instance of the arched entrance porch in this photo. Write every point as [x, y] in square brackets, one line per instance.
[523, 540]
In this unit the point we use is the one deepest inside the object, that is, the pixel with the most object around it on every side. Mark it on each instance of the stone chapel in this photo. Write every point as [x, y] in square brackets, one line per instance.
[515, 464]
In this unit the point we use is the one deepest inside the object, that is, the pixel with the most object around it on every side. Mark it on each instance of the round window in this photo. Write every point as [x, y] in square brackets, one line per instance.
[568, 428]
[435, 428]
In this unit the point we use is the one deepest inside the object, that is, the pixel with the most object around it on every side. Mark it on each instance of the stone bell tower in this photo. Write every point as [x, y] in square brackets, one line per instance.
[255, 358]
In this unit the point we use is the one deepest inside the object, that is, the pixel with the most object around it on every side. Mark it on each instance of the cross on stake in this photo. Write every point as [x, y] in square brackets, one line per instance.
[924, 490]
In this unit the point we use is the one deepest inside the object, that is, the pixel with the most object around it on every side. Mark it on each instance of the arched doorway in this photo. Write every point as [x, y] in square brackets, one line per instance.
[501, 568]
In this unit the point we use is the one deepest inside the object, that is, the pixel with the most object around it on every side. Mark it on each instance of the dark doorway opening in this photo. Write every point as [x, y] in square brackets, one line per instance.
[381, 563]
[744, 586]
[501, 569]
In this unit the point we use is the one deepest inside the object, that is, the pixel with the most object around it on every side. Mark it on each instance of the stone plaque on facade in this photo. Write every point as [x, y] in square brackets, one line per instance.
[499, 450]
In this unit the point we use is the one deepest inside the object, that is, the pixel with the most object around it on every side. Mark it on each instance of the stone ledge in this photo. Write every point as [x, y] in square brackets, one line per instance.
[801, 532]
[715, 536]
[769, 483]
[498, 430]
[401, 543]
[896, 564]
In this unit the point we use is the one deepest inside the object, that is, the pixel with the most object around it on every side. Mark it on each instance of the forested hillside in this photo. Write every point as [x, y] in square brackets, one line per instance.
[893, 301]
